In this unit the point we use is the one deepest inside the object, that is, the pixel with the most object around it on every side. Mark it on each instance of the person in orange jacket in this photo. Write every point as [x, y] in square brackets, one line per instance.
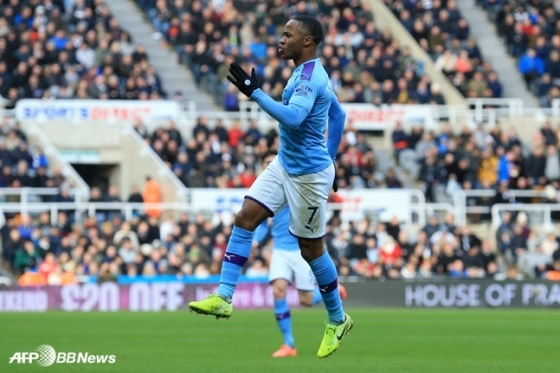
[152, 194]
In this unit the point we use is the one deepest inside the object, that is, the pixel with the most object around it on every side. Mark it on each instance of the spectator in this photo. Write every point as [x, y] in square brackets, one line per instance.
[152, 195]
[400, 140]
[531, 67]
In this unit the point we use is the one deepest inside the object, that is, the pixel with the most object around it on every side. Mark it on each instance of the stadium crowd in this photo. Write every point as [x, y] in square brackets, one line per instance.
[440, 29]
[491, 160]
[530, 30]
[21, 167]
[61, 49]
[41, 253]
[216, 157]
[481, 159]
[105, 246]
[365, 65]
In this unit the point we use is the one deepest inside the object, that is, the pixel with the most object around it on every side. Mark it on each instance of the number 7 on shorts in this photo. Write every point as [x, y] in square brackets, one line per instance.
[310, 220]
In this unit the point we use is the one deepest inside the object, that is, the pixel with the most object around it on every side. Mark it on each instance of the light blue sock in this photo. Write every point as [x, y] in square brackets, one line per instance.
[317, 297]
[325, 272]
[284, 320]
[237, 252]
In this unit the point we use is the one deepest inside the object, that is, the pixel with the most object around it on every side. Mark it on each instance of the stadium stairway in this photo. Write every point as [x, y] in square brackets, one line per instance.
[494, 50]
[386, 161]
[119, 146]
[175, 76]
[384, 19]
[37, 137]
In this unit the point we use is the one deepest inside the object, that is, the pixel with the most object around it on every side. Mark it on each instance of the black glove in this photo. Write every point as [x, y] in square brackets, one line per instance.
[245, 83]
[335, 181]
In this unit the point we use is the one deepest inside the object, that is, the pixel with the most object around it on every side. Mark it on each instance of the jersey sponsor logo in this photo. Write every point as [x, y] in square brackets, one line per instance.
[303, 90]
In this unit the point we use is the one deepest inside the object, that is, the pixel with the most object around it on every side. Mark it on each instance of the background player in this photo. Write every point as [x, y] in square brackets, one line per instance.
[301, 176]
[287, 266]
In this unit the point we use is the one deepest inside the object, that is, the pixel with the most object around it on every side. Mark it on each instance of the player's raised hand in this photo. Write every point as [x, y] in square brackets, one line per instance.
[245, 83]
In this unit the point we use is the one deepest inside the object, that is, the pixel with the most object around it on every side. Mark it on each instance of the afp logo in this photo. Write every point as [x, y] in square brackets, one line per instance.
[45, 356]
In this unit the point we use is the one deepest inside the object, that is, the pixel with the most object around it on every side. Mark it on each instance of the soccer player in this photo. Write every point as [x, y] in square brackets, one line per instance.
[286, 265]
[301, 176]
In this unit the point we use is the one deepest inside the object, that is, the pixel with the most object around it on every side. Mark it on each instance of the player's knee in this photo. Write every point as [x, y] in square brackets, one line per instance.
[251, 215]
[306, 300]
[243, 220]
[307, 254]
[311, 249]
[246, 220]
[279, 292]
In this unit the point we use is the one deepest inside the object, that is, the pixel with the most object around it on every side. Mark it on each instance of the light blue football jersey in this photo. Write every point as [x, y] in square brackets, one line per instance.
[303, 150]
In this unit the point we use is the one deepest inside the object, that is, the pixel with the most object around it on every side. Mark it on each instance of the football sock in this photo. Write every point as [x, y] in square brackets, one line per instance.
[317, 297]
[237, 252]
[284, 320]
[325, 272]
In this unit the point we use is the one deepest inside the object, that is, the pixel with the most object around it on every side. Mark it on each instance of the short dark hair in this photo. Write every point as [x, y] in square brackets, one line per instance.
[313, 27]
[269, 153]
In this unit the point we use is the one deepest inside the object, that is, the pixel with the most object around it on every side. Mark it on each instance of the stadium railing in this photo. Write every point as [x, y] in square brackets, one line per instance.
[56, 158]
[163, 170]
[462, 210]
[29, 195]
[419, 210]
[543, 212]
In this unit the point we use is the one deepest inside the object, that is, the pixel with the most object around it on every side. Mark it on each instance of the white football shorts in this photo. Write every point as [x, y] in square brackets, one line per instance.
[305, 195]
[290, 266]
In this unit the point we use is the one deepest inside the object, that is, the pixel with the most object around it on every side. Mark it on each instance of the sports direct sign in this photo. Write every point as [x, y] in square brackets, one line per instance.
[370, 117]
[88, 110]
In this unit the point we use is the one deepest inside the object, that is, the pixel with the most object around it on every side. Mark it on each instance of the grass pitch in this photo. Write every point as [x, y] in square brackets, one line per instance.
[400, 341]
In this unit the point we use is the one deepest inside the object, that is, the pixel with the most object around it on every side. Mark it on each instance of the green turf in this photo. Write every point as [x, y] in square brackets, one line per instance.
[400, 341]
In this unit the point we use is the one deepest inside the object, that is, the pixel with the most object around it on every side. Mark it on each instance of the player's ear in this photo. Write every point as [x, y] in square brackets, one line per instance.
[307, 41]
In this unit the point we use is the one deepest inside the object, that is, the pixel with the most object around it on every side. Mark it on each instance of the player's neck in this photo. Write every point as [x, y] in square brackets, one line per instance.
[303, 58]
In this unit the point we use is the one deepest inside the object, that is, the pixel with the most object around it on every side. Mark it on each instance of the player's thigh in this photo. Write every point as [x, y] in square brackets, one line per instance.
[267, 190]
[280, 268]
[307, 198]
[304, 278]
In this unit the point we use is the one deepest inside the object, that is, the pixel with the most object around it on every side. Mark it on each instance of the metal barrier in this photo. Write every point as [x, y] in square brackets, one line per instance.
[67, 169]
[26, 193]
[462, 210]
[82, 209]
[545, 210]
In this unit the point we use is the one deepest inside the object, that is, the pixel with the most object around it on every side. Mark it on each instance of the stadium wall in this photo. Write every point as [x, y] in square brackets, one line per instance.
[117, 145]
[175, 295]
